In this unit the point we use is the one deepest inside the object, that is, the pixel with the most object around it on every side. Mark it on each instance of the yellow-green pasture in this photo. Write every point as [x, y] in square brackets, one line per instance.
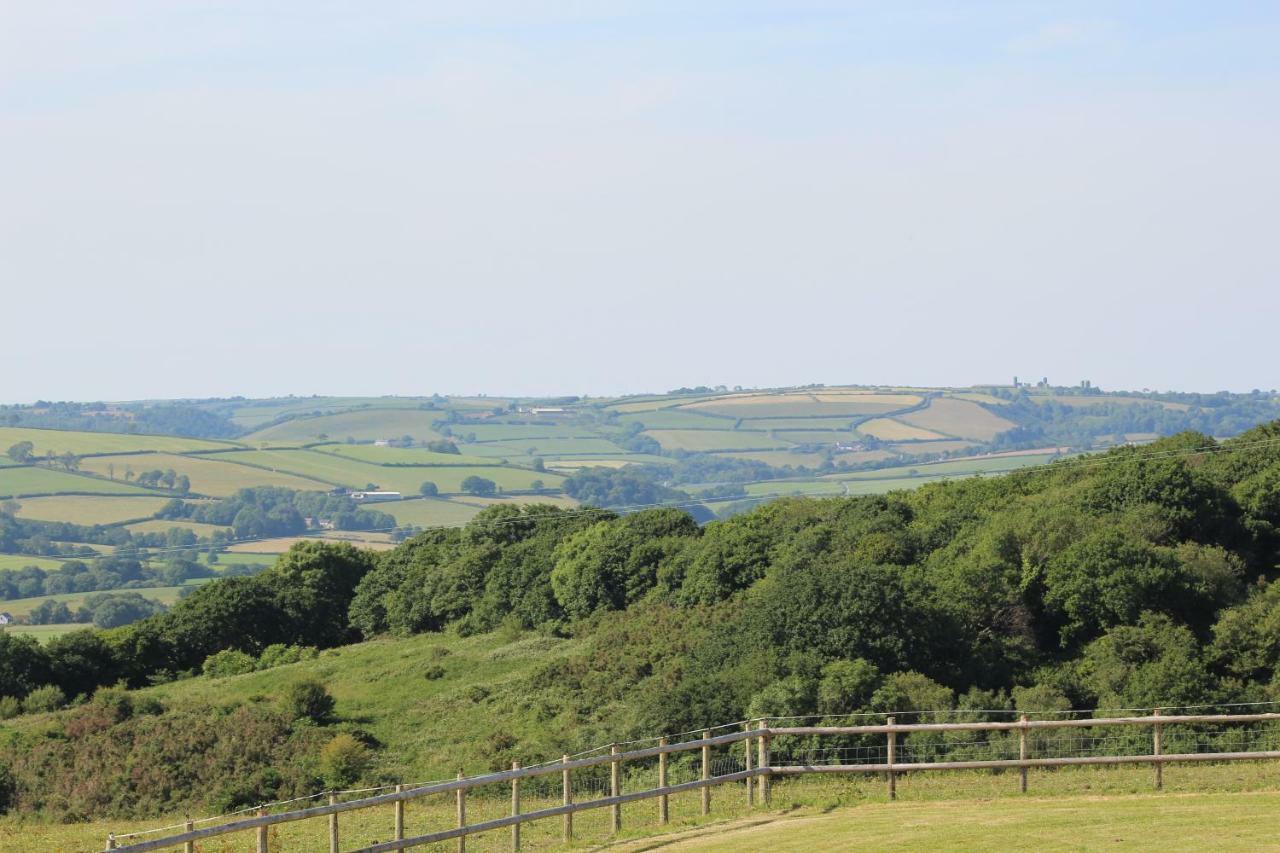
[209, 474]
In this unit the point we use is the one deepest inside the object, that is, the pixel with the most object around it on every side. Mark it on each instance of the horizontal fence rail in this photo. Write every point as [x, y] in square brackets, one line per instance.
[765, 752]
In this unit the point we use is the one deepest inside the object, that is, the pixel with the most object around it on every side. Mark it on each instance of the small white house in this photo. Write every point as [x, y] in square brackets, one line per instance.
[372, 497]
[6, 618]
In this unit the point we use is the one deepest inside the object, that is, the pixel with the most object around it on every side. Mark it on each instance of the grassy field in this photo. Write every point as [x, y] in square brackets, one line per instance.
[257, 412]
[911, 448]
[399, 455]
[447, 512]
[80, 443]
[23, 606]
[269, 548]
[839, 424]
[796, 434]
[337, 470]
[208, 475]
[956, 468]
[16, 482]
[676, 419]
[1204, 807]
[164, 525]
[362, 425]
[713, 439]
[553, 446]
[21, 561]
[1086, 400]
[521, 432]
[887, 429]
[42, 634]
[86, 509]
[959, 418]
[820, 404]
[1227, 822]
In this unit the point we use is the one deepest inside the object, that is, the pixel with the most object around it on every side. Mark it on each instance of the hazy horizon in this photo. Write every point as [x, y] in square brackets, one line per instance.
[209, 200]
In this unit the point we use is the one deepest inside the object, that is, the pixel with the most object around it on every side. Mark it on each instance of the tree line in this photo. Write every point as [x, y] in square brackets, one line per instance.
[1136, 578]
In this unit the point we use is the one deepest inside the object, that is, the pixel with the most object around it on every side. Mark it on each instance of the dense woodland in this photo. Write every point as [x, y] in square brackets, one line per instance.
[1136, 578]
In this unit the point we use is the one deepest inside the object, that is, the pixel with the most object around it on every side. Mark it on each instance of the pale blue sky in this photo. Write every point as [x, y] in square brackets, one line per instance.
[215, 198]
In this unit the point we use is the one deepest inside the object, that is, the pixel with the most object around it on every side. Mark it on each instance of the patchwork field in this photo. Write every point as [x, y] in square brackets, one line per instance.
[521, 432]
[888, 429]
[959, 418]
[822, 404]
[209, 475]
[399, 455]
[677, 419]
[23, 606]
[80, 443]
[710, 439]
[18, 482]
[339, 471]
[362, 425]
[1087, 400]
[553, 446]
[84, 509]
[21, 561]
[164, 525]
[932, 446]
[42, 634]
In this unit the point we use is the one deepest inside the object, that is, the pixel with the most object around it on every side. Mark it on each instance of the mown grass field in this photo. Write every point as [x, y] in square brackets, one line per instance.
[816, 404]
[208, 474]
[1086, 400]
[677, 419]
[330, 468]
[449, 512]
[17, 482]
[399, 455]
[553, 446]
[23, 606]
[522, 432]
[932, 446]
[888, 429]
[362, 425]
[1227, 822]
[164, 525]
[709, 439]
[21, 561]
[86, 509]
[42, 634]
[1204, 807]
[959, 418]
[81, 443]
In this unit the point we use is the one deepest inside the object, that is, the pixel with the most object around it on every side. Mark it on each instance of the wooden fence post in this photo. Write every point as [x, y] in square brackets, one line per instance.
[764, 763]
[111, 841]
[1022, 750]
[663, 804]
[751, 791]
[399, 815]
[1156, 745]
[515, 809]
[462, 814]
[706, 775]
[333, 825]
[615, 787]
[190, 846]
[567, 785]
[893, 779]
[262, 834]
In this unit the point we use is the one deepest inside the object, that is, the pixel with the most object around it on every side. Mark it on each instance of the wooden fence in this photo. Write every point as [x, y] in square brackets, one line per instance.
[758, 765]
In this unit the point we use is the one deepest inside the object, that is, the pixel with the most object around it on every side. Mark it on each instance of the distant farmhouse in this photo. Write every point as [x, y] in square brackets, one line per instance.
[372, 497]
[6, 618]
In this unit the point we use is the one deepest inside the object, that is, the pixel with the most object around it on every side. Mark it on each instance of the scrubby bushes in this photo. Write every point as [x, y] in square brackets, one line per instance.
[308, 700]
